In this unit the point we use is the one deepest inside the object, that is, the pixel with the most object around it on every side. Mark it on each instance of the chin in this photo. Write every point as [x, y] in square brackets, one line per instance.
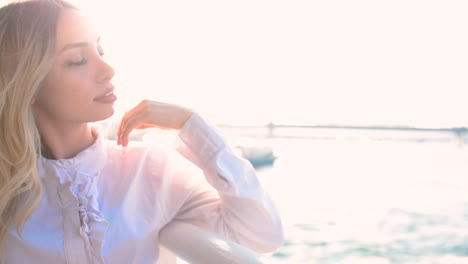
[104, 115]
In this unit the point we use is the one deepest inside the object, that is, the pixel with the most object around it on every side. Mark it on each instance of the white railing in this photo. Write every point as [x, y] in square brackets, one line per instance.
[194, 245]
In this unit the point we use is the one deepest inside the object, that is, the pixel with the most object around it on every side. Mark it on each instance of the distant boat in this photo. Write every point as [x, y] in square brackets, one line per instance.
[258, 156]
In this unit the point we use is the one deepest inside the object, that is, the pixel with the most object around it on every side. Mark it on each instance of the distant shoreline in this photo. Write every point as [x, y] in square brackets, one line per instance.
[458, 130]
[272, 130]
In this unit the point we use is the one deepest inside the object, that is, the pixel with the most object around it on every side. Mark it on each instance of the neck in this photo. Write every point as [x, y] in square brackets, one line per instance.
[65, 141]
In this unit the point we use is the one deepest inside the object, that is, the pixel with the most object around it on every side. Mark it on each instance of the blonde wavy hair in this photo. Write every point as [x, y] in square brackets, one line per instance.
[27, 45]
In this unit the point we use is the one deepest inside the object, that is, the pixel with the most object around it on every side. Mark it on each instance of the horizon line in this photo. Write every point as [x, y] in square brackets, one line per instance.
[272, 125]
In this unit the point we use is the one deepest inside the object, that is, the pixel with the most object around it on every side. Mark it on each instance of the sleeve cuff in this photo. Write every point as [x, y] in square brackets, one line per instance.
[199, 141]
[202, 143]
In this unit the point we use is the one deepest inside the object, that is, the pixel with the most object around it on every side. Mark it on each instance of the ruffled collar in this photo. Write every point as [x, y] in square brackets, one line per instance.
[85, 164]
[79, 175]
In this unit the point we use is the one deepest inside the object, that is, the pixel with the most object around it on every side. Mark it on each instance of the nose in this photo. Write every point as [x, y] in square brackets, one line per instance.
[106, 72]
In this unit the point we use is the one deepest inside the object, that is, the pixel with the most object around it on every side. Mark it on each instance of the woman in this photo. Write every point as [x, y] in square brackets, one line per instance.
[69, 196]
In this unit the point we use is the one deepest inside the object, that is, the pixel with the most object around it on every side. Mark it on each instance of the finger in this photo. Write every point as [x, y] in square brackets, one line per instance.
[117, 133]
[127, 114]
[128, 126]
[134, 111]
[137, 111]
[143, 126]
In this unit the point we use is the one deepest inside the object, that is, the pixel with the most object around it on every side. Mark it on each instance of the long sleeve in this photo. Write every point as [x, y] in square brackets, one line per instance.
[230, 200]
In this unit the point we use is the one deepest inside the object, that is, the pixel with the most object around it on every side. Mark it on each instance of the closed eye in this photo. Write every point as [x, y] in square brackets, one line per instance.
[78, 63]
[100, 51]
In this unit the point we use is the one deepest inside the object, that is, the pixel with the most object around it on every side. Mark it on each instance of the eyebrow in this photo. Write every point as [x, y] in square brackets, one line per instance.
[77, 45]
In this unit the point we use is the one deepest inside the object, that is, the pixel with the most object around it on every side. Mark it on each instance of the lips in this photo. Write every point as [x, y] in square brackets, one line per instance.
[104, 96]
[107, 97]
[109, 91]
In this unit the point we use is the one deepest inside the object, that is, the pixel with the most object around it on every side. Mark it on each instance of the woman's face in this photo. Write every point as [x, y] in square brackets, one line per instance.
[77, 89]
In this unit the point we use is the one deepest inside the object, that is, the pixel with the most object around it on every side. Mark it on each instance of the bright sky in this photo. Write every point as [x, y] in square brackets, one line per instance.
[399, 62]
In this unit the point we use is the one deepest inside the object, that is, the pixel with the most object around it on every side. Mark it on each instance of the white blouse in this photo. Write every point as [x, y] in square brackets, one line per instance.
[108, 204]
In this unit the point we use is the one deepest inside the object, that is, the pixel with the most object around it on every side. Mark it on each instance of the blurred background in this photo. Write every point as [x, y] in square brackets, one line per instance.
[353, 112]
[293, 62]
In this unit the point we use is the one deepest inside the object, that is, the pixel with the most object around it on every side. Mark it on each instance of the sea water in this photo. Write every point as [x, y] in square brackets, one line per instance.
[377, 197]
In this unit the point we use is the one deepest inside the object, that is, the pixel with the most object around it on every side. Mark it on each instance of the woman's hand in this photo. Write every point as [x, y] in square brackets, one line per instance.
[151, 114]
